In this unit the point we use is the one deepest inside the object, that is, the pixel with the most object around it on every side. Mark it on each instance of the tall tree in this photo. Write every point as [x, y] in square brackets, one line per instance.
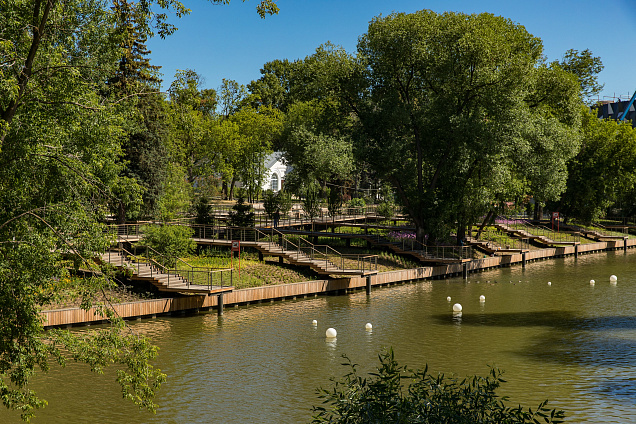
[602, 171]
[447, 102]
[60, 144]
[586, 68]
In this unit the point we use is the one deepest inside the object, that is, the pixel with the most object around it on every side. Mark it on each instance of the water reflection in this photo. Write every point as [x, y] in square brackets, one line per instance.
[262, 363]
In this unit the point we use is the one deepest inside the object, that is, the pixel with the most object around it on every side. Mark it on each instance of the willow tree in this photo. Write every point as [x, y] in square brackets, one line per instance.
[459, 113]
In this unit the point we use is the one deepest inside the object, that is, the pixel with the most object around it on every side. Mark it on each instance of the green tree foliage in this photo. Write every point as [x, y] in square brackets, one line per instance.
[317, 158]
[334, 201]
[284, 202]
[458, 112]
[586, 68]
[177, 194]
[61, 132]
[316, 132]
[134, 71]
[204, 211]
[311, 201]
[602, 171]
[174, 241]
[257, 128]
[383, 397]
[241, 214]
[273, 87]
[146, 154]
[270, 203]
[58, 170]
[193, 144]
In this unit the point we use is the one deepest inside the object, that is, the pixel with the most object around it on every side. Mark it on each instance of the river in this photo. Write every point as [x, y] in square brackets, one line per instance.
[569, 342]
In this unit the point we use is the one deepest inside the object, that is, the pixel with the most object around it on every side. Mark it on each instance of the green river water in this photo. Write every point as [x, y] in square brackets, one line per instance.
[569, 342]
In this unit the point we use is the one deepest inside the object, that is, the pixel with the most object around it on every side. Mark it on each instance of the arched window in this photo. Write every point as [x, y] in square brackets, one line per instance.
[274, 182]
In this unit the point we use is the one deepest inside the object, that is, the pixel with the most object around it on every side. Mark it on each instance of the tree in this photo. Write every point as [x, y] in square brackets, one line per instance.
[602, 171]
[334, 201]
[450, 106]
[270, 203]
[317, 158]
[204, 211]
[60, 151]
[241, 214]
[173, 241]
[586, 68]
[382, 398]
[311, 201]
[257, 128]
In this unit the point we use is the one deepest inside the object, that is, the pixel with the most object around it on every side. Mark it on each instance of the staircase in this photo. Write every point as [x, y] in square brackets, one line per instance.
[309, 256]
[524, 234]
[165, 280]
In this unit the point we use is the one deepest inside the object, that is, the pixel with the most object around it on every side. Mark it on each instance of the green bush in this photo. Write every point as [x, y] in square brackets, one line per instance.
[173, 241]
[270, 203]
[382, 398]
[241, 214]
[356, 205]
[205, 213]
[386, 210]
[311, 202]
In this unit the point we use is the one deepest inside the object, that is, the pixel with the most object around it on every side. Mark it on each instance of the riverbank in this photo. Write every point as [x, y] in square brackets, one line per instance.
[193, 304]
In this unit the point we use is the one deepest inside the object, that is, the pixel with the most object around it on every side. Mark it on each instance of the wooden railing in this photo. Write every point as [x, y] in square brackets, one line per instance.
[176, 269]
[299, 247]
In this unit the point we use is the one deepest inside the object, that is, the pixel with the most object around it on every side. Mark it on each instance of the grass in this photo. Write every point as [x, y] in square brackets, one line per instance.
[71, 292]
[249, 271]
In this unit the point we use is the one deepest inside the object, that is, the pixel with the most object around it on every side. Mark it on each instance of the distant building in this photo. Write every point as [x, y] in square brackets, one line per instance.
[275, 172]
[614, 110]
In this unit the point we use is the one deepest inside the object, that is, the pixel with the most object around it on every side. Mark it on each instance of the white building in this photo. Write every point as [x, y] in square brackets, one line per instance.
[275, 172]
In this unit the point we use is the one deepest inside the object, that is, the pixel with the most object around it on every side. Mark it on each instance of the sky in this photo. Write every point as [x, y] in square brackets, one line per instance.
[231, 41]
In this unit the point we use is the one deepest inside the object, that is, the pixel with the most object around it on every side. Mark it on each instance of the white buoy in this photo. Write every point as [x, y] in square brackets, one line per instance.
[482, 298]
[613, 279]
[448, 299]
[549, 283]
[314, 322]
[592, 282]
[457, 307]
[331, 333]
[368, 326]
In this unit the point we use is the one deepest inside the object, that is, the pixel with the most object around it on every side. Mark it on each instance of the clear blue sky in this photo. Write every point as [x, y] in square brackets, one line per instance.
[233, 42]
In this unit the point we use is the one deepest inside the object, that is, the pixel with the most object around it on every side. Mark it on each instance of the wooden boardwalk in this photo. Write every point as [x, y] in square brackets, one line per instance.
[422, 255]
[165, 282]
[322, 266]
[180, 305]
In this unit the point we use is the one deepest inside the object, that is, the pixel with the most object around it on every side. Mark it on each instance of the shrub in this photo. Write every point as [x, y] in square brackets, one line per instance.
[284, 202]
[173, 241]
[334, 201]
[386, 210]
[311, 202]
[205, 214]
[241, 214]
[382, 398]
[270, 203]
[356, 205]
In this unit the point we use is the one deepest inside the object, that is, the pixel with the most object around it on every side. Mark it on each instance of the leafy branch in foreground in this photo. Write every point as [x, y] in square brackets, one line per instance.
[383, 398]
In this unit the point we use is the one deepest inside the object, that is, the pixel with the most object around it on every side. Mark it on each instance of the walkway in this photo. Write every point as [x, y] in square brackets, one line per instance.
[164, 279]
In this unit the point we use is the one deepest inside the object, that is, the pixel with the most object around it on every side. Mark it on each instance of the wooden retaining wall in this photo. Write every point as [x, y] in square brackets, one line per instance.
[195, 303]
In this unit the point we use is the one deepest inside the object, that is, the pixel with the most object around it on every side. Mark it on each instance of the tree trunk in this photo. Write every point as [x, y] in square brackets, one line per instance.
[461, 233]
[231, 195]
[121, 213]
[483, 224]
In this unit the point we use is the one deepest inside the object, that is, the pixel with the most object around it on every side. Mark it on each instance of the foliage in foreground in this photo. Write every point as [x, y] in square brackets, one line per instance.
[383, 398]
